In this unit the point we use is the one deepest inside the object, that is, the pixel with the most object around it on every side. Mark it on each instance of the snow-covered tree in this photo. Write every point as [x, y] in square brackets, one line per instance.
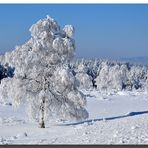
[42, 76]
[85, 81]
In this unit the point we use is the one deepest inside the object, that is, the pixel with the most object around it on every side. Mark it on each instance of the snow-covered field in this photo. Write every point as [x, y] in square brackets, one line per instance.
[120, 118]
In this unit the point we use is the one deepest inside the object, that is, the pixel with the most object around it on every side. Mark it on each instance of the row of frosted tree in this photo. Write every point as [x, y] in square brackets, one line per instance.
[107, 75]
[100, 74]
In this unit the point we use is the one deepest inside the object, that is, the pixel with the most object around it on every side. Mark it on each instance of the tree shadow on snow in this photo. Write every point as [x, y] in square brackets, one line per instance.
[90, 121]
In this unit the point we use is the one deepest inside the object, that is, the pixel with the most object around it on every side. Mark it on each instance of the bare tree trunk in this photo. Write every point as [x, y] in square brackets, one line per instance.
[42, 114]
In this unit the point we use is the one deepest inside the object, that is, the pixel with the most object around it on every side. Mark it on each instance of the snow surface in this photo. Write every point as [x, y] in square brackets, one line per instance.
[120, 118]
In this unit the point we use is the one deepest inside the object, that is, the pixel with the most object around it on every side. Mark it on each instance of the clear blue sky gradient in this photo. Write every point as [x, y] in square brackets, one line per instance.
[106, 31]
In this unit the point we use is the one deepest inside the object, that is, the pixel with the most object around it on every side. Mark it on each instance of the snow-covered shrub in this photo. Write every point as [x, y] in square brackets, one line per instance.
[111, 77]
[138, 77]
[85, 81]
[5, 88]
[42, 77]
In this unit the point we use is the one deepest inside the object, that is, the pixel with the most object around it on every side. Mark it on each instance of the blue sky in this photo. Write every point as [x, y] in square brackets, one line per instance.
[106, 31]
